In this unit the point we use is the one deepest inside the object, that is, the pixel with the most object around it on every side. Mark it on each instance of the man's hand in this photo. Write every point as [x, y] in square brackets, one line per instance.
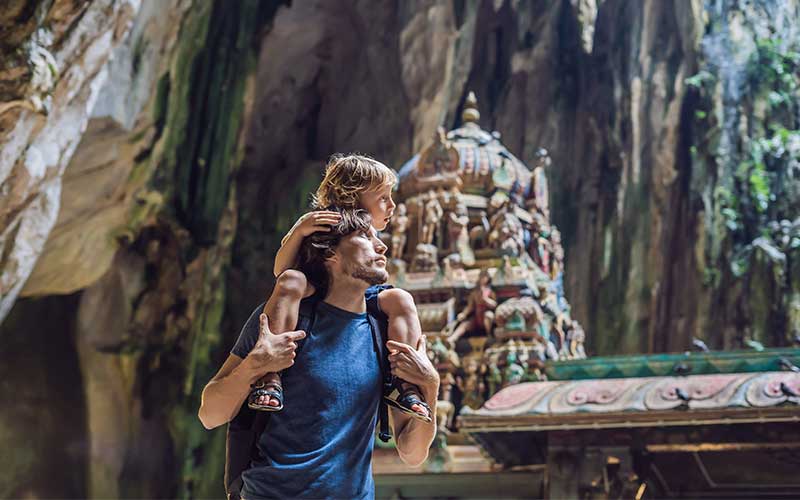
[413, 365]
[274, 352]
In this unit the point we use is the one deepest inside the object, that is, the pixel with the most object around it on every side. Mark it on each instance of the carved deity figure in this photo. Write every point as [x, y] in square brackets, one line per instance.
[576, 338]
[478, 315]
[431, 217]
[514, 371]
[479, 234]
[400, 223]
[495, 372]
[541, 193]
[453, 268]
[445, 409]
[541, 247]
[507, 235]
[557, 262]
[471, 383]
[458, 234]
[442, 357]
[425, 259]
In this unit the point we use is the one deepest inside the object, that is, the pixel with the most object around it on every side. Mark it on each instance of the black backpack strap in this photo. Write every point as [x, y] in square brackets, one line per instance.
[379, 326]
[305, 319]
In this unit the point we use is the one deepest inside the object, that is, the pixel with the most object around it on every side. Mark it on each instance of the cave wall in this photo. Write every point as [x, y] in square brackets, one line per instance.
[197, 128]
[44, 433]
[54, 58]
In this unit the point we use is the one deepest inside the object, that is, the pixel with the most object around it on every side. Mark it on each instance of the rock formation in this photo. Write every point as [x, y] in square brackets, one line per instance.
[153, 153]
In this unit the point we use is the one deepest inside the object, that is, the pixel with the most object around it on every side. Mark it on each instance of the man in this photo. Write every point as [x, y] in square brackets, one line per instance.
[320, 446]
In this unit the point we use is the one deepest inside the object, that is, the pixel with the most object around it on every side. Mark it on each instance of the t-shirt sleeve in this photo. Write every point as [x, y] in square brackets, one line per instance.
[249, 334]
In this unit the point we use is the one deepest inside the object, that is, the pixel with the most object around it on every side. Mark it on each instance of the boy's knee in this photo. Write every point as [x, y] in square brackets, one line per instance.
[291, 283]
[397, 302]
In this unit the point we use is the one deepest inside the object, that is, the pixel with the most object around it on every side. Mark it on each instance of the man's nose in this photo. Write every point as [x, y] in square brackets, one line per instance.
[392, 204]
[380, 246]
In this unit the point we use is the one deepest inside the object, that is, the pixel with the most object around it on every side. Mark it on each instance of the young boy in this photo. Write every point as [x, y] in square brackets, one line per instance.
[351, 181]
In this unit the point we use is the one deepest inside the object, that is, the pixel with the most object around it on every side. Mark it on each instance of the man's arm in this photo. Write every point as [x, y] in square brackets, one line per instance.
[414, 437]
[225, 393]
[271, 352]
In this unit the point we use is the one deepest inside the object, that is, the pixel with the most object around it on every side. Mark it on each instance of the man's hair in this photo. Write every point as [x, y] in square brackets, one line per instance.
[320, 246]
[347, 176]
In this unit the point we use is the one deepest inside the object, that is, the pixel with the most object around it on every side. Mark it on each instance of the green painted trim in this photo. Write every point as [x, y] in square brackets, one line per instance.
[658, 365]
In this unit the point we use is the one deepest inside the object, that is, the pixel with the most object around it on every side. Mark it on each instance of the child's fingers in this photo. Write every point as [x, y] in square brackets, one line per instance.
[325, 223]
[327, 218]
[324, 229]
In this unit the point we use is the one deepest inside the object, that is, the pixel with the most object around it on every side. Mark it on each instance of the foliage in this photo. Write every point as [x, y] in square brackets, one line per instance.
[755, 196]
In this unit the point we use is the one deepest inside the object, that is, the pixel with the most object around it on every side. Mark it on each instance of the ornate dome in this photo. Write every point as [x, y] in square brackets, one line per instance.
[470, 159]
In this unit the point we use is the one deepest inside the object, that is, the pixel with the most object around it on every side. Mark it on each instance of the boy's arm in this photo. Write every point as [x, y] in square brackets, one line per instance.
[319, 220]
[414, 437]
[287, 253]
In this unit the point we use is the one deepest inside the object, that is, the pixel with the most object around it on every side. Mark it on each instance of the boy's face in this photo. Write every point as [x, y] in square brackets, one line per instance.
[379, 204]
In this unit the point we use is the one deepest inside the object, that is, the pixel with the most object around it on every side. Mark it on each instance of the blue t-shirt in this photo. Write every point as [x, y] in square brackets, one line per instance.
[320, 444]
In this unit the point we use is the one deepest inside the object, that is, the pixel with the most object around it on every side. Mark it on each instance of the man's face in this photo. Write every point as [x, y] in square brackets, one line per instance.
[360, 255]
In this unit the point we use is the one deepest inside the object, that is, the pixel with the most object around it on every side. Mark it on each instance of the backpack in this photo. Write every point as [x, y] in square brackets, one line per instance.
[246, 427]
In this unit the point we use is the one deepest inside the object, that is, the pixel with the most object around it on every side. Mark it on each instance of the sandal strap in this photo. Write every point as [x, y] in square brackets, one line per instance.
[275, 392]
[407, 396]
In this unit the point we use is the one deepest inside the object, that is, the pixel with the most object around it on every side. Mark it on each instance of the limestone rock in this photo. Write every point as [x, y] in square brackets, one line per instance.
[62, 64]
[98, 191]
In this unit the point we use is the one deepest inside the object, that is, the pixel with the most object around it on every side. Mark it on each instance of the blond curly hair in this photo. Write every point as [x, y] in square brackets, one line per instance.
[347, 176]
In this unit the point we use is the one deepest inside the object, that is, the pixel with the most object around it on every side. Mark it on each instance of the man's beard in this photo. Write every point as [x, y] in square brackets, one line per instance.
[369, 275]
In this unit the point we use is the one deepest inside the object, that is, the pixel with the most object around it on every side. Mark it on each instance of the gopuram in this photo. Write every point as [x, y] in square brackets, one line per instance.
[521, 409]
[473, 242]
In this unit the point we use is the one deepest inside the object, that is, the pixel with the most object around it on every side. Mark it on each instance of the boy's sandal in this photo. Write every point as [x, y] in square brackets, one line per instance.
[270, 389]
[405, 399]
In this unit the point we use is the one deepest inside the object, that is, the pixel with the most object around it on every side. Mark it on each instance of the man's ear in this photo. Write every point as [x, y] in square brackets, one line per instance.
[331, 257]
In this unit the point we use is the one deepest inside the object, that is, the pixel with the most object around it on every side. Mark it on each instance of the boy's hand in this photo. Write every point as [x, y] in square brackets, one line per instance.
[312, 222]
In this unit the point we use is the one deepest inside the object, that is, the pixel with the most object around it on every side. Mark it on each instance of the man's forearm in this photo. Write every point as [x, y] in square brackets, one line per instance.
[222, 398]
[415, 438]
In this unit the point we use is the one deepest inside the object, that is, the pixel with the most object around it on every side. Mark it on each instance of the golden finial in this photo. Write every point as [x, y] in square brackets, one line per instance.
[470, 113]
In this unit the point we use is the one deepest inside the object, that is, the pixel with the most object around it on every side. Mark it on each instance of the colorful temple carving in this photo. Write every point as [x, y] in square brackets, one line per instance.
[473, 242]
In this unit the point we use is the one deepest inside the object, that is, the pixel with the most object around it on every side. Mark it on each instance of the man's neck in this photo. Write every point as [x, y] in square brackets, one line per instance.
[347, 295]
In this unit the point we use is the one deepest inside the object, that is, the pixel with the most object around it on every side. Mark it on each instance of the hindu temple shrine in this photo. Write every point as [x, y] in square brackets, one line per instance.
[522, 409]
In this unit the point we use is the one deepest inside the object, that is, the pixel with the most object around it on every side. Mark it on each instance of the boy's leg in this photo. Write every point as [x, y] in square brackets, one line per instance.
[282, 309]
[403, 327]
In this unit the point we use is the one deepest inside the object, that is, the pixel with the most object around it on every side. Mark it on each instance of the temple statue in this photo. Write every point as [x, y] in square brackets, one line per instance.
[541, 193]
[399, 227]
[432, 218]
[458, 233]
[478, 315]
[472, 241]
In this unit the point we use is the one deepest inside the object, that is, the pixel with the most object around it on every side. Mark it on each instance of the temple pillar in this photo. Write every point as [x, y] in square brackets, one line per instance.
[594, 472]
